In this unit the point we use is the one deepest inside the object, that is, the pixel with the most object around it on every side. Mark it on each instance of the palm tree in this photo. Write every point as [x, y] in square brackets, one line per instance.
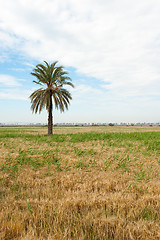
[52, 78]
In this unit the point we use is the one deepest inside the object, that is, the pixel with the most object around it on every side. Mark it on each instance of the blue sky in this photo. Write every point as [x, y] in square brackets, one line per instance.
[111, 50]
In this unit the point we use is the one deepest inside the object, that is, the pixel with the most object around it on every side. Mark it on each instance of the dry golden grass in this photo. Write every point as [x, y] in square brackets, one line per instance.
[95, 189]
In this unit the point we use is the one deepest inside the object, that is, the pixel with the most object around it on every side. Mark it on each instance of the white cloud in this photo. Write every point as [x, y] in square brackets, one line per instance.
[9, 81]
[16, 94]
[12, 88]
[12, 95]
[97, 37]
[117, 42]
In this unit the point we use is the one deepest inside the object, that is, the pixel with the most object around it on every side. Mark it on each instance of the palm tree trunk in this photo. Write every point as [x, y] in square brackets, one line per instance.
[50, 117]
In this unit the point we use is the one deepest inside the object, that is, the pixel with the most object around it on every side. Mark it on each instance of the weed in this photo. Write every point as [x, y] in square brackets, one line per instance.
[93, 163]
[149, 214]
[107, 164]
[122, 163]
[78, 151]
[81, 164]
[141, 175]
[22, 159]
[29, 208]
[15, 187]
[59, 165]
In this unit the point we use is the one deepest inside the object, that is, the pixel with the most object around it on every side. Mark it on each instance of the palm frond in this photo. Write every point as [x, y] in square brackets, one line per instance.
[54, 78]
[37, 82]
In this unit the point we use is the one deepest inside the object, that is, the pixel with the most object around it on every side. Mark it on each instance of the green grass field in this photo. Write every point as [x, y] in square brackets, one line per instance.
[80, 183]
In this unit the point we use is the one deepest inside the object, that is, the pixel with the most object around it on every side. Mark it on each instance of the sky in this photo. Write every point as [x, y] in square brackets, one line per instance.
[110, 48]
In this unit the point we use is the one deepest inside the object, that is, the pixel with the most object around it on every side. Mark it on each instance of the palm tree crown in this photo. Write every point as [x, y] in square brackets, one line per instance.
[52, 79]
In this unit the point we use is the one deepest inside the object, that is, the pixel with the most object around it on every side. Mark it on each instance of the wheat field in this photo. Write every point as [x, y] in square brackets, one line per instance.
[81, 183]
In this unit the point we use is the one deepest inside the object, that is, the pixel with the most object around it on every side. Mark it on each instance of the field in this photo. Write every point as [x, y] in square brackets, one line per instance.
[81, 183]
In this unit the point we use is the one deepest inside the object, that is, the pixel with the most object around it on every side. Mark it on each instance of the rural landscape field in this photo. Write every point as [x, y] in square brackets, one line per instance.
[97, 182]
